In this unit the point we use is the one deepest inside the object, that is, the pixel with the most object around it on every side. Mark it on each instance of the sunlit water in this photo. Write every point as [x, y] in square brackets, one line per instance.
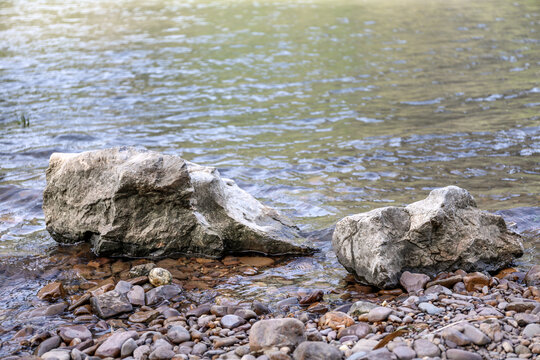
[319, 108]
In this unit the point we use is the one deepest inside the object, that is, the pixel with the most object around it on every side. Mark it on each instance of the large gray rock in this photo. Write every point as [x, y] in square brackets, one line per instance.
[443, 232]
[132, 202]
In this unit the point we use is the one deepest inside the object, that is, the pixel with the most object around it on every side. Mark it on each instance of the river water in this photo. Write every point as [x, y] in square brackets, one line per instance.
[321, 109]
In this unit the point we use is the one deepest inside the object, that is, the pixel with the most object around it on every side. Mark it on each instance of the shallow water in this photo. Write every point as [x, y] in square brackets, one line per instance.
[319, 108]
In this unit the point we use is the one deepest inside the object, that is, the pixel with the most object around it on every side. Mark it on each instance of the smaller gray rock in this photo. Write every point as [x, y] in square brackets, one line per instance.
[232, 321]
[531, 330]
[425, 347]
[48, 344]
[438, 289]
[458, 354]
[57, 354]
[141, 352]
[360, 330]
[361, 307]
[265, 334]
[526, 318]
[380, 313]
[161, 293]
[476, 336]
[316, 350]
[178, 334]
[379, 354]
[532, 277]
[123, 286]
[403, 352]
[199, 349]
[161, 353]
[141, 270]
[136, 295]
[455, 336]
[413, 282]
[429, 308]
[113, 345]
[128, 347]
[110, 304]
[68, 333]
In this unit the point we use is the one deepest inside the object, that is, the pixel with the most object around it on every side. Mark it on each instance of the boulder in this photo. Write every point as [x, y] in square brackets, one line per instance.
[132, 202]
[444, 232]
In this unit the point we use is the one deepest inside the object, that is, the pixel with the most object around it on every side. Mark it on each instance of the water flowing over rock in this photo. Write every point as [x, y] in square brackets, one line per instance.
[443, 232]
[131, 202]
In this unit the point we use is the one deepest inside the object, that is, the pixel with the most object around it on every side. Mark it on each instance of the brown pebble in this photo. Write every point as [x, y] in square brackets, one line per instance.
[51, 291]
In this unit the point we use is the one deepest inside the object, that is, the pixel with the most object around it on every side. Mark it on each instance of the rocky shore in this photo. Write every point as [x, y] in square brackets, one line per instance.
[133, 313]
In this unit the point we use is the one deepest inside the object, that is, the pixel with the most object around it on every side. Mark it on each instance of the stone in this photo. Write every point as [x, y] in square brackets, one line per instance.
[475, 281]
[448, 282]
[128, 347]
[475, 335]
[316, 350]
[110, 304]
[443, 232]
[178, 334]
[521, 350]
[141, 352]
[455, 336]
[265, 334]
[520, 306]
[424, 347]
[404, 352]
[143, 316]
[532, 277]
[57, 354]
[137, 203]
[161, 353]
[113, 345]
[159, 276]
[361, 307]
[429, 308]
[335, 320]
[141, 270]
[50, 310]
[68, 333]
[379, 354]
[232, 321]
[245, 314]
[380, 313]
[161, 293]
[458, 354]
[525, 318]
[413, 283]
[51, 291]
[123, 287]
[136, 295]
[360, 330]
[531, 331]
[48, 344]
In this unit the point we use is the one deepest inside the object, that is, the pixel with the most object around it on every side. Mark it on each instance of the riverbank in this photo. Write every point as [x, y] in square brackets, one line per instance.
[458, 316]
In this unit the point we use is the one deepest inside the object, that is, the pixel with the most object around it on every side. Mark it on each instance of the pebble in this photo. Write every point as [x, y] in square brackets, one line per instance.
[232, 321]
[458, 354]
[429, 308]
[178, 334]
[159, 276]
[424, 347]
[476, 336]
[531, 330]
[404, 352]
[51, 291]
[380, 313]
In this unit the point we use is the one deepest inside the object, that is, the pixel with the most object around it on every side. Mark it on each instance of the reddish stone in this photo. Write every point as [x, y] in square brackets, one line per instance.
[51, 291]
[475, 281]
[335, 320]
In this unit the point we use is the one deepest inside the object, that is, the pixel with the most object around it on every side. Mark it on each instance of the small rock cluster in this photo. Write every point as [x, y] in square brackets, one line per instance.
[455, 315]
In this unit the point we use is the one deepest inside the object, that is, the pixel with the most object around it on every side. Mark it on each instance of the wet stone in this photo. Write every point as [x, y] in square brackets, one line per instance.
[110, 304]
[48, 344]
[136, 295]
[51, 291]
[141, 270]
[475, 281]
[68, 333]
[50, 310]
[199, 310]
[143, 316]
[161, 293]
[159, 276]
[123, 287]
[532, 277]
[113, 345]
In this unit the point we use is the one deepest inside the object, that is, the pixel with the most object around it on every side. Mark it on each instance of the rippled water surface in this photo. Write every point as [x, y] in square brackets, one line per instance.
[319, 108]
